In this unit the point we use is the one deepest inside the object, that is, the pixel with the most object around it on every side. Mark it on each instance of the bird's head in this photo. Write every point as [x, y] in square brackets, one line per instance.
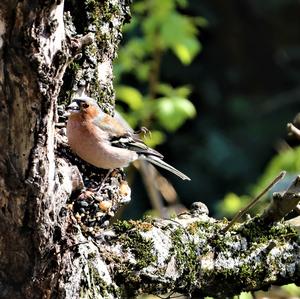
[85, 106]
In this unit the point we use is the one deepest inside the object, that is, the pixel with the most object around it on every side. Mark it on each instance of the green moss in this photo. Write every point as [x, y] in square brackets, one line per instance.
[128, 281]
[186, 259]
[219, 243]
[247, 275]
[197, 226]
[256, 231]
[122, 226]
[75, 66]
[92, 285]
[214, 242]
[100, 13]
[142, 248]
[213, 235]
[100, 19]
[251, 273]
[284, 232]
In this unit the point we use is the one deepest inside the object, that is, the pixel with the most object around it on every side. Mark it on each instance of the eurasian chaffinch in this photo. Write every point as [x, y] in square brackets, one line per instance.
[105, 141]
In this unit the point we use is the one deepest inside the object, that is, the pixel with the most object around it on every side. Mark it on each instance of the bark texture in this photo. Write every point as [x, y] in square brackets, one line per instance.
[54, 237]
[38, 41]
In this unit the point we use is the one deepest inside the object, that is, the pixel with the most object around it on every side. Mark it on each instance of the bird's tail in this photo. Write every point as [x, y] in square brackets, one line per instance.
[159, 162]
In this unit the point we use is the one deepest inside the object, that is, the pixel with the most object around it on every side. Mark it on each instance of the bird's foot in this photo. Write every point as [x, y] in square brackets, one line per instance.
[144, 131]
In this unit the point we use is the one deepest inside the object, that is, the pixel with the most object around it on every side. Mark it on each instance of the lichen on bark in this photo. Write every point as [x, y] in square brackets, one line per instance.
[92, 71]
[191, 255]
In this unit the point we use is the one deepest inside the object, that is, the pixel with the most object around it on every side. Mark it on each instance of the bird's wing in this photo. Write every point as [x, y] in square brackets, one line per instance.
[123, 136]
[111, 126]
[135, 144]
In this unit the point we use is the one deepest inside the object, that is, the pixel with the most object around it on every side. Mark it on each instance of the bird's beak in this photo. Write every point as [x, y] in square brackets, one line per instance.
[73, 107]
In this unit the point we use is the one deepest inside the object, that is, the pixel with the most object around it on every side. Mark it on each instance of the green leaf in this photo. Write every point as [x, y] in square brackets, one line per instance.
[131, 96]
[165, 89]
[183, 91]
[187, 49]
[139, 7]
[244, 295]
[173, 111]
[200, 21]
[160, 9]
[292, 289]
[288, 160]
[142, 71]
[176, 28]
[168, 91]
[185, 106]
[182, 3]
[230, 205]
[131, 56]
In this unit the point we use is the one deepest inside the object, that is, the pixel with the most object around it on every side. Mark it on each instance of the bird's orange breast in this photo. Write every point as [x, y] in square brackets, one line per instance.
[91, 144]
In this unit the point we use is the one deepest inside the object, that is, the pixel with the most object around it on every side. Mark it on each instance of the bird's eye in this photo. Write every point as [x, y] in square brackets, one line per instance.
[85, 105]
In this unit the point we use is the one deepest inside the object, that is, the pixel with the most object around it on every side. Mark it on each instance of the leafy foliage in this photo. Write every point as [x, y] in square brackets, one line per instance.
[156, 28]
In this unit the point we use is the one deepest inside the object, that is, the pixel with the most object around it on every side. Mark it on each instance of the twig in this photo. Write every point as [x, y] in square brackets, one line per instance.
[293, 131]
[254, 201]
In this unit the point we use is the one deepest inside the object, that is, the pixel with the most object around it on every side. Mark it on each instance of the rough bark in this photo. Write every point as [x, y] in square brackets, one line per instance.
[36, 48]
[52, 245]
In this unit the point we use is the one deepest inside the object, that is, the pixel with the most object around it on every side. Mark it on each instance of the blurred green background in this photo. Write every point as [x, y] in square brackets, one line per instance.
[216, 82]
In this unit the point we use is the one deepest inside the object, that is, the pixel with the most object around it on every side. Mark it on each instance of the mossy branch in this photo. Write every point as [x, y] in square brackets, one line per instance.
[191, 255]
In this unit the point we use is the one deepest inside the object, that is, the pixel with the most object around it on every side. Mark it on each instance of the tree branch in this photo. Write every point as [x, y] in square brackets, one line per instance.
[283, 203]
[191, 255]
[253, 202]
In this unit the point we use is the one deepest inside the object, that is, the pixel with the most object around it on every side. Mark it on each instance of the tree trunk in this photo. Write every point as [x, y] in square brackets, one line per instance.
[50, 246]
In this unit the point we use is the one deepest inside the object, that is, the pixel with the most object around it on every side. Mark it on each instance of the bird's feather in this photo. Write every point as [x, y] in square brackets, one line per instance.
[158, 162]
[134, 144]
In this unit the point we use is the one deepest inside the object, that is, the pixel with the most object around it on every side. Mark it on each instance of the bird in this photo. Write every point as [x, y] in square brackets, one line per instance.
[107, 141]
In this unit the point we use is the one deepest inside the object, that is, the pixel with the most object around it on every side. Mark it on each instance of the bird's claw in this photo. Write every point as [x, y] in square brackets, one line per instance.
[144, 131]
